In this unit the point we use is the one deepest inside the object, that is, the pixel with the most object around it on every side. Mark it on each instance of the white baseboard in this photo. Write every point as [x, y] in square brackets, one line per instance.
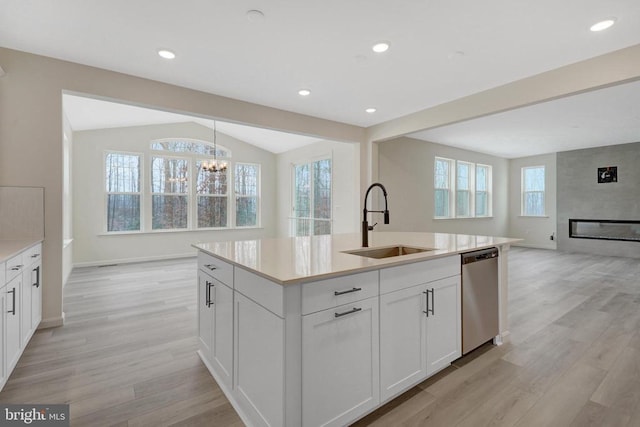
[52, 322]
[532, 246]
[132, 260]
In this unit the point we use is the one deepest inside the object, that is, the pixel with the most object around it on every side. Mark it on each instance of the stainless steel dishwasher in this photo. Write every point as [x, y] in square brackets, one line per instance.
[479, 298]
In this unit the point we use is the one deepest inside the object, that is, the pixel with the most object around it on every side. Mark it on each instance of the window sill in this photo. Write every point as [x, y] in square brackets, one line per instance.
[198, 230]
[533, 216]
[463, 217]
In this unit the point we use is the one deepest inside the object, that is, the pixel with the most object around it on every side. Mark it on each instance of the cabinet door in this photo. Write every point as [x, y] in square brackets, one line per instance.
[25, 308]
[259, 362]
[205, 315]
[222, 349]
[12, 322]
[36, 295]
[403, 336]
[340, 363]
[444, 338]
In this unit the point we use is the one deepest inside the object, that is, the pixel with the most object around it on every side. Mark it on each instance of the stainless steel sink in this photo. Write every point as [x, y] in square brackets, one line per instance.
[388, 251]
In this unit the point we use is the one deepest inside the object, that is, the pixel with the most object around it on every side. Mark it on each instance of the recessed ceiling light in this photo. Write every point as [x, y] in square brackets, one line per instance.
[166, 54]
[370, 110]
[304, 92]
[603, 25]
[380, 47]
[255, 15]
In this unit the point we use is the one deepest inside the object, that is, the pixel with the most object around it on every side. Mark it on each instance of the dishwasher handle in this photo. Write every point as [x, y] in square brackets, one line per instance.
[469, 257]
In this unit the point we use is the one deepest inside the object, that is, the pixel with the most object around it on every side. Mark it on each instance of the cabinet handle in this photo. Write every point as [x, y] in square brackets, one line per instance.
[13, 311]
[16, 267]
[347, 291]
[37, 270]
[353, 310]
[35, 255]
[211, 267]
[429, 308]
[209, 300]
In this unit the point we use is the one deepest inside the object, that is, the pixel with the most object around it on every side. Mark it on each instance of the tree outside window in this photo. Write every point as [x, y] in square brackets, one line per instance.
[122, 172]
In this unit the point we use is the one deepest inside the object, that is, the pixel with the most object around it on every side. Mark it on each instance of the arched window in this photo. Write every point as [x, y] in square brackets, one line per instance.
[190, 146]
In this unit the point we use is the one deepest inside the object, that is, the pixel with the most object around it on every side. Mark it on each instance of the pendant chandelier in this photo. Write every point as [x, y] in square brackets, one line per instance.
[214, 166]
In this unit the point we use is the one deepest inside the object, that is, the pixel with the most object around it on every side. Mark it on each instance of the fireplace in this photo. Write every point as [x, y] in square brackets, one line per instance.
[604, 229]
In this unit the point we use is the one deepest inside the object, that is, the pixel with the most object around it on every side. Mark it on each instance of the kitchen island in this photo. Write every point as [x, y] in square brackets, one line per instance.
[311, 331]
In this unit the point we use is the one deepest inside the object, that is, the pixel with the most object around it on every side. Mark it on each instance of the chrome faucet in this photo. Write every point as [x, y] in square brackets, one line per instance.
[365, 225]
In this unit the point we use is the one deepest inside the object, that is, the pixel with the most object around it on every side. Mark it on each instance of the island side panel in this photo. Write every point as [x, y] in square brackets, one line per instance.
[503, 295]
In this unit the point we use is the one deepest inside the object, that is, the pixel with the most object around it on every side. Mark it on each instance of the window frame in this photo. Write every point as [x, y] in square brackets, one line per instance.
[454, 183]
[523, 192]
[293, 219]
[151, 193]
[106, 193]
[196, 195]
[450, 180]
[489, 191]
[257, 196]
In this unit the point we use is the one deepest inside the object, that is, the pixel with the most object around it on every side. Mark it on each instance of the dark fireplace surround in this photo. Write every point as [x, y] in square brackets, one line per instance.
[605, 229]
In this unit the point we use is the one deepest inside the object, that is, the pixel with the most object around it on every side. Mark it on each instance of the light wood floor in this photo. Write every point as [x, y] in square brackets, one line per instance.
[126, 355]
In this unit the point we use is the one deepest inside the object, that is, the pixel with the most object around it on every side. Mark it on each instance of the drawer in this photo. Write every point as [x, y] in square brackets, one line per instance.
[331, 293]
[32, 255]
[14, 266]
[268, 294]
[405, 276]
[215, 267]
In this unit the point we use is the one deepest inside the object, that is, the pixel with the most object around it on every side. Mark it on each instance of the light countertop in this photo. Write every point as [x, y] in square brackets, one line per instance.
[10, 248]
[293, 260]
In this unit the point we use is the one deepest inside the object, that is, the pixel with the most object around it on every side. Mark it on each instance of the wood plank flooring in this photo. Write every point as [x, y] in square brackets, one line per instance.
[126, 355]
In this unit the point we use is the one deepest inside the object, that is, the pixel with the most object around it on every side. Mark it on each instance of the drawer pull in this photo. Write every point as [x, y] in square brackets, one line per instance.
[211, 267]
[347, 292]
[16, 267]
[13, 310]
[35, 255]
[353, 310]
[209, 301]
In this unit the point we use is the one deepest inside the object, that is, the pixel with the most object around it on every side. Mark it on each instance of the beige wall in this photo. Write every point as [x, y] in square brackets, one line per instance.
[346, 183]
[93, 246]
[405, 168]
[535, 231]
[31, 133]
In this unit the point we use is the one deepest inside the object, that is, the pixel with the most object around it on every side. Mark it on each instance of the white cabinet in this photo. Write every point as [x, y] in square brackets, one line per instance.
[13, 339]
[340, 363]
[21, 303]
[420, 325]
[36, 295]
[222, 342]
[444, 333]
[403, 340]
[205, 315]
[259, 362]
[215, 326]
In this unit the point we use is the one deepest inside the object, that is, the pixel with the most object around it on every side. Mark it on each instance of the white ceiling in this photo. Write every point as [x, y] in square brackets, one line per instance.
[592, 119]
[441, 50]
[87, 113]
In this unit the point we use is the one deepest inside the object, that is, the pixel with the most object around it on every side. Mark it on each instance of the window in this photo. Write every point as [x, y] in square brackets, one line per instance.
[533, 191]
[483, 184]
[211, 192]
[465, 194]
[122, 173]
[169, 193]
[312, 198]
[247, 177]
[442, 194]
[463, 189]
[177, 193]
